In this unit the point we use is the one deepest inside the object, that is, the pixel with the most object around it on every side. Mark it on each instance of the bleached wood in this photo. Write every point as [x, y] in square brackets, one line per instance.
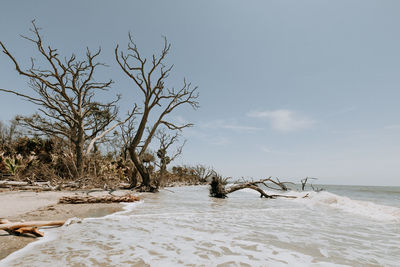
[17, 225]
[99, 199]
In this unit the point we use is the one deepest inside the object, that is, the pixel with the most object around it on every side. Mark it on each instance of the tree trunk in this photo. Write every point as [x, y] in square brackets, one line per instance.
[163, 167]
[79, 142]
[79, 159]
[163, 171]
[98, 199]
[218, 188]
[134, 179]
[145, 186]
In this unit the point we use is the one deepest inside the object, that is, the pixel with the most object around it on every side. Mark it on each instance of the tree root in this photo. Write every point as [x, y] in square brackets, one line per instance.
[147, 188]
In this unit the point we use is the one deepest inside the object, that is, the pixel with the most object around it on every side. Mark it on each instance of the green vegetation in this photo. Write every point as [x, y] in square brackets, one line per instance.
[42, 159]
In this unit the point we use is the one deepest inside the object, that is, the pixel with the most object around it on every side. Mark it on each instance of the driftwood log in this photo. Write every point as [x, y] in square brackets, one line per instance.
[21, 228]
[46, 186]
[97, 199]
[218, 187]
[36, 186]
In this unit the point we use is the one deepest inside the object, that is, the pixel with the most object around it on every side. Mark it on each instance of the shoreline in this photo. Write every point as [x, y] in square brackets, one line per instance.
[37, 206]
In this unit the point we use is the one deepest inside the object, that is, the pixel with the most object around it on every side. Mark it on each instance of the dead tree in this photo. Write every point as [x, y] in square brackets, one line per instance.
[64, 90]
[204, 173]
[219, 189]
[158, 100]
[304, 182]
[166, 141]
[282, 185]
[127, 136]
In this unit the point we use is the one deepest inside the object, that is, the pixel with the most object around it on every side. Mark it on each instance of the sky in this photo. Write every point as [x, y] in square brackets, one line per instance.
[288, 88]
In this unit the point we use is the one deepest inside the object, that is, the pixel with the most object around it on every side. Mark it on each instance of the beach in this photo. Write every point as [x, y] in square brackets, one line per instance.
[236, 133]
[37, 206]
[183, 226]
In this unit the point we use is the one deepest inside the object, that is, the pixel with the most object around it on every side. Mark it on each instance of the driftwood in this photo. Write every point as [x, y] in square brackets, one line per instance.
[12, 183]
[28, 230]
[304, 182]
[22, 228]
[98, 199]
[253, 186]
[45, 186]
[218, 187]
[282, 185]
[40, 186]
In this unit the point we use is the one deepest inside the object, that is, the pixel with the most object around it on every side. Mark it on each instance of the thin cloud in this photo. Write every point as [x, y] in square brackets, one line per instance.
[179, 120]
[222, 124]
[284, 120]
[343, 111]
[270, 151]
[208, 138]
[220, 141]
[239, 127]
[392, 127]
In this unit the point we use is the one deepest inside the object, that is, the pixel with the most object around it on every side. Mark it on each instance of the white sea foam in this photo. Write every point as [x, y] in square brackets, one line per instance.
[326, 199]
[358, 207]
[52, 234]
[49, 235]
[127, 208]
[190, 229]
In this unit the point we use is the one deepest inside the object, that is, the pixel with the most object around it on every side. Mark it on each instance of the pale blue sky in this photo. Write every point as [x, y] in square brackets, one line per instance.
[288, 88]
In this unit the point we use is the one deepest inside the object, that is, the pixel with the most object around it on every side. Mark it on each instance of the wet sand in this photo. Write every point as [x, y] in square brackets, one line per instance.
[27, 206]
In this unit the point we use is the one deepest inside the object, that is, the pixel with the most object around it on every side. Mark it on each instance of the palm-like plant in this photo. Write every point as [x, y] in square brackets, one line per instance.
[11, 165]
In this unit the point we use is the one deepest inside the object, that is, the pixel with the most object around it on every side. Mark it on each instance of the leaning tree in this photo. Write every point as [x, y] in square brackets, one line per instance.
[159, 101]
[64, 89]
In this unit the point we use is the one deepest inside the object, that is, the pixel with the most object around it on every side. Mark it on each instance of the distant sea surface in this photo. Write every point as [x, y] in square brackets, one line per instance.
[341, 226]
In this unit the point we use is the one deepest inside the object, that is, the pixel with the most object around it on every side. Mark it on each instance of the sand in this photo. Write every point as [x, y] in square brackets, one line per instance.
[27, 206]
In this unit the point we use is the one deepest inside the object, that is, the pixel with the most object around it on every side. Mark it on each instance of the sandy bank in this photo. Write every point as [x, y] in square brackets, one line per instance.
[17, 206]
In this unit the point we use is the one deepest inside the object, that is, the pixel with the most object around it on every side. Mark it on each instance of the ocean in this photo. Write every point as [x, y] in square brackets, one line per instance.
[183, 226]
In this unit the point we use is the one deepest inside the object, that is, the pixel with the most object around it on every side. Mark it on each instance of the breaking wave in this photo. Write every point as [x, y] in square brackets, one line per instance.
[359, 207]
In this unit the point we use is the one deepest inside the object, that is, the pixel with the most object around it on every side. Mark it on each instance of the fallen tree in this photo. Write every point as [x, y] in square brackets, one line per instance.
[97, 199]
[18, 185]
[281, 185]
[219, 189]
[21, 228]
[48, 186]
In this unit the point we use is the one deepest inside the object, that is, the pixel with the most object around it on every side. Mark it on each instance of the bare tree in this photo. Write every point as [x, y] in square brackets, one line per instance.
[204, 173]
[158, 100]
[166, 140]
[127, 135]
[8, 133]
[304, 183]
[64, 89]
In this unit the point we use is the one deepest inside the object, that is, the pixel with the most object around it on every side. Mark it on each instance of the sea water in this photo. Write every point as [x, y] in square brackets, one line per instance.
[341, 226]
